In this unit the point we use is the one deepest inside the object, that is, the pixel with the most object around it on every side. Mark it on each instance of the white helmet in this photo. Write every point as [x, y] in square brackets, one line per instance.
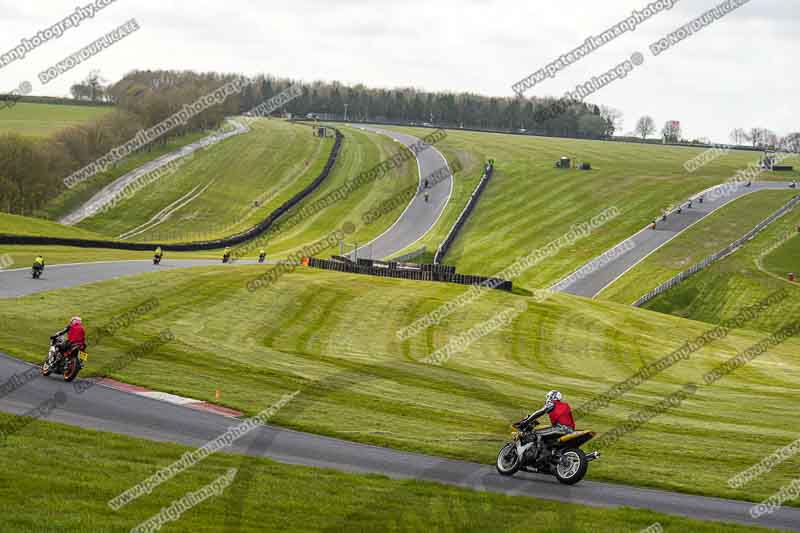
[75, 320]
[552, 396]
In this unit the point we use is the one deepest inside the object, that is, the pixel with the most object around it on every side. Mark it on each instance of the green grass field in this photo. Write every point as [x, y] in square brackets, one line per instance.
[40, 120]
[19, 225]
[757, 269]
[705, 238]
[73, 198]
[529, 203]
[267, 166]
[332, 336]
[263, 496]
[786, 258]
[272, 163]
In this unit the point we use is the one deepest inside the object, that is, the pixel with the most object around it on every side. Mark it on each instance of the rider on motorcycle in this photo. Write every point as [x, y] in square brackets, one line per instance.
[560, 414]
[226, 255]
[158, 252]
[76, 336]
[38, 263]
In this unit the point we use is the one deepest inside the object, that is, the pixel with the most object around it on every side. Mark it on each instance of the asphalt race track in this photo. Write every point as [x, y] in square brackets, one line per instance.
[419, 216]
[648, 241]
[106, 409]
[18, 282]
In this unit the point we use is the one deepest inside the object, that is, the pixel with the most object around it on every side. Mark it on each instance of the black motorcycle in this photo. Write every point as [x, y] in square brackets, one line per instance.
[61, 361]
[262, 258]
[560, 455]
[37, 270]
[156, 259]
[226, 258]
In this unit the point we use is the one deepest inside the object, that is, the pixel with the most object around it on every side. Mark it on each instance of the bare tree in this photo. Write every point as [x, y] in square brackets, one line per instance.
[80, 91]
[614, 119]
[791, 142]
[645, 127]
[739, 136]
[758, 136]
[671, 132]
[770, 139]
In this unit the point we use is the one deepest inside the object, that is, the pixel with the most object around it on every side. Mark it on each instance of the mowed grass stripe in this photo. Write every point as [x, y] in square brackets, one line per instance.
[333, 336]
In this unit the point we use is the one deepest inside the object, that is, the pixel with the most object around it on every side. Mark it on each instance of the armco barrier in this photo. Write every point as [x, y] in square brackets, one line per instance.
[233, 240]
[462, 218]
[411, 271]
[719, 255]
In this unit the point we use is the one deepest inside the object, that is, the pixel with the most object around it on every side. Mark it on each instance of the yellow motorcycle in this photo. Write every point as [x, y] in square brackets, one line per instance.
[556, 455]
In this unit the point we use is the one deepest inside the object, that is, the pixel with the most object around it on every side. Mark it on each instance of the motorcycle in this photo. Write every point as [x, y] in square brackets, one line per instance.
[262, 257]
[560, 455]
[66, 364]
[37, 271]
[226, 258]
[156, 259]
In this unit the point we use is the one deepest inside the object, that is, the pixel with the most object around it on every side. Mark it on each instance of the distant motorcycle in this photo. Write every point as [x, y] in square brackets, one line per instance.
[66, 364]
[262, 258]
[560, 456]
[226, 258]
[36, 272]
[156, 259]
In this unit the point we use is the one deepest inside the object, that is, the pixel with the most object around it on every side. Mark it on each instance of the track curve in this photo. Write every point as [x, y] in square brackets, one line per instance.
[419, 216]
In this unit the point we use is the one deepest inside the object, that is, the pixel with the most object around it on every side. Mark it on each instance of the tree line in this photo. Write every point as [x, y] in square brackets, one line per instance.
[761, 138]
[32, 169]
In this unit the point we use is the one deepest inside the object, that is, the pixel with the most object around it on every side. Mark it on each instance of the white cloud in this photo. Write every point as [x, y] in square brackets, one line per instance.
[737, 72]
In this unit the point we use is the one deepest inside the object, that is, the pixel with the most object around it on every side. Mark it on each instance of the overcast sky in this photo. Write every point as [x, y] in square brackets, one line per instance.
[738, 72]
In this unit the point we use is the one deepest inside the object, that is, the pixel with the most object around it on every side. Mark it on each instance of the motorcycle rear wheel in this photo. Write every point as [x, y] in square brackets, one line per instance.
[506, 467]
[573, 472]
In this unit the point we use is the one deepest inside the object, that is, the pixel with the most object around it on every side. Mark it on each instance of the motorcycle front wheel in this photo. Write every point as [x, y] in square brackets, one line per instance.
[508, 461]
[71, 369]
